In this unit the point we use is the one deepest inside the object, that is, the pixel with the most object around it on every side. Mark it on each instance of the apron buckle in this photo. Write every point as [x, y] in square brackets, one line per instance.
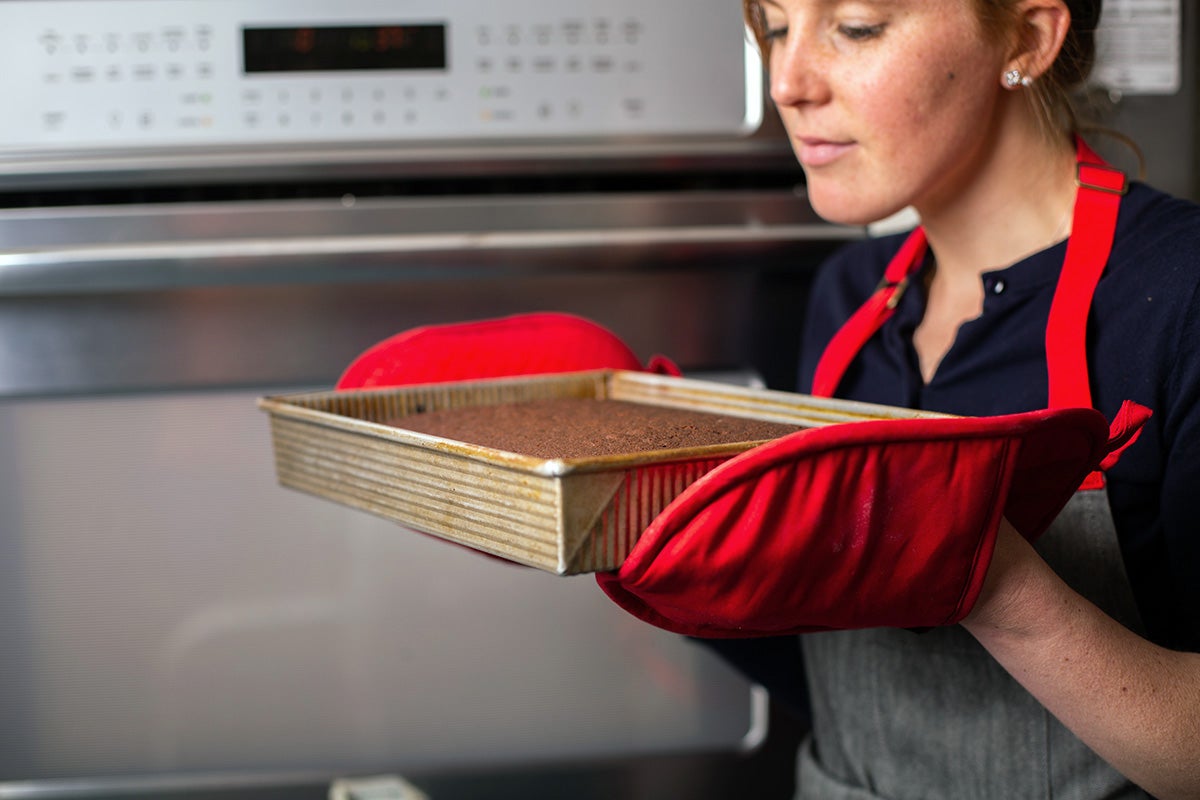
[1101, 178]
[897, 288]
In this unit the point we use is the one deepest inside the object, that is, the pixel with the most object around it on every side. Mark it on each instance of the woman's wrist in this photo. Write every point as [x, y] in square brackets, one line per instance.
[1016, 592]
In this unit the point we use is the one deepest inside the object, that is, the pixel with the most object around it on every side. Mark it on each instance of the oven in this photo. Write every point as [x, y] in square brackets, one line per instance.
[205, 201]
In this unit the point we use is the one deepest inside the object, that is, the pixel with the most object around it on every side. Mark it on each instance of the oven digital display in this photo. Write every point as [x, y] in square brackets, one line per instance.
[325, 49]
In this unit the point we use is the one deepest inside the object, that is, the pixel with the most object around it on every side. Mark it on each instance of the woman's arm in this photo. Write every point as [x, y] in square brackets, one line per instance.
[1136, 704]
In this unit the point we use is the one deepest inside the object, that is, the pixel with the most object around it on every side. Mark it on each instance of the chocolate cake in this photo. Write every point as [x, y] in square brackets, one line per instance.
[587, 427]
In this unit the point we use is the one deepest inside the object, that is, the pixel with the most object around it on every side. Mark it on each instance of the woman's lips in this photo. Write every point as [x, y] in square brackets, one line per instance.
[819, 152]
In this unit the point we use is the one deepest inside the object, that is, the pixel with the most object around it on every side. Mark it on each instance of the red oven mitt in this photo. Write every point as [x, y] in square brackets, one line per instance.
[863, 524]
[523, 344]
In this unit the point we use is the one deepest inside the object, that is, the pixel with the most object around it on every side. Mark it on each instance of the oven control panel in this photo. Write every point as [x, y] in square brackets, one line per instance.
[95, 74]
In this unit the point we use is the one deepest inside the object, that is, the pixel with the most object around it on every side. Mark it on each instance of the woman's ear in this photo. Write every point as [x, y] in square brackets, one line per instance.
[1042, 27]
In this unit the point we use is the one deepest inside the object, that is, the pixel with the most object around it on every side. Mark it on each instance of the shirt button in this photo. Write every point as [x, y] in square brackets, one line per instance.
[998, 287]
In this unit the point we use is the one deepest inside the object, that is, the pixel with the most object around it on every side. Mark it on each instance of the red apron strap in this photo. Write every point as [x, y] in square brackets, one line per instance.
[1096, 205]
[870, 316]
[1097, 201]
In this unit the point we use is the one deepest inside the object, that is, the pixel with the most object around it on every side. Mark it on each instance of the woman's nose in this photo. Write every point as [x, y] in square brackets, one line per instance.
[796, 75]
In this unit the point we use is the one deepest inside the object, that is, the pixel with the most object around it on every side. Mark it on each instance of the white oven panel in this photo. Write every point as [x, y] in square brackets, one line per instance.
[88, 74]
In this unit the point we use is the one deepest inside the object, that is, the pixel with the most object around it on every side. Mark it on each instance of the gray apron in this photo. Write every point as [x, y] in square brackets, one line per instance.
[923, 716]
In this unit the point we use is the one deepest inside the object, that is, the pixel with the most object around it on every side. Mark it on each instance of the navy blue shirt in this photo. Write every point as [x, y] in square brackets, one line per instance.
[1143, 345]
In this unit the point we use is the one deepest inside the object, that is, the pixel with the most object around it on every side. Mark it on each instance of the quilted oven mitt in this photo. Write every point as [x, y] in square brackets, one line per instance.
[523, 344]
[863, 524]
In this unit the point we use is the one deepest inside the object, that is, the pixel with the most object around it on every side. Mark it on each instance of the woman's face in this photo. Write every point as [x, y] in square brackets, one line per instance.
[888, 102]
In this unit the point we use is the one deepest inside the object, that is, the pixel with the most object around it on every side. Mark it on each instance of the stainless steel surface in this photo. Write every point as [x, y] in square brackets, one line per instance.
[123, 168]
[762, 774]
[168, 611]
[155, 246]
[131, 90]
[127, 298]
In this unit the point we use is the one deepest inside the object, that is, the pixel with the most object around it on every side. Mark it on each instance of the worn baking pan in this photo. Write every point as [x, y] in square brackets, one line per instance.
[566, 516]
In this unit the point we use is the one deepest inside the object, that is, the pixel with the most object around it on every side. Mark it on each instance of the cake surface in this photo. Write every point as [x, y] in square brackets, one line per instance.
[586, 427]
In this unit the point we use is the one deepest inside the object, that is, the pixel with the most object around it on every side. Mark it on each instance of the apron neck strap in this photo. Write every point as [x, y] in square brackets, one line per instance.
[1097, 202]
[869, 318]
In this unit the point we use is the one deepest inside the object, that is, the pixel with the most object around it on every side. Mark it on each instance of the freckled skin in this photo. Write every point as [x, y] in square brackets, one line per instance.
[915, 102]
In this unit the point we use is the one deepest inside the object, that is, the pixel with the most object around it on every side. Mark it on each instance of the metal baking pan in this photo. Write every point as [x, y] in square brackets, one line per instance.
[566, 516]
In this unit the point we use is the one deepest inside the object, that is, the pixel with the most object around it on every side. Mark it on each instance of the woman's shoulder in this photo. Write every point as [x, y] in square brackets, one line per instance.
[1150, 201]
[1158, 226]
[1154, 270]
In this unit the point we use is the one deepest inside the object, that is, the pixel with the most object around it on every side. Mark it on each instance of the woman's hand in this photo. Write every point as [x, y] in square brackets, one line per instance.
[1134, 703]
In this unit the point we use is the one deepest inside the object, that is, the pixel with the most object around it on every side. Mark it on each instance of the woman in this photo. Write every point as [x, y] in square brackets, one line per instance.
[1076, 674]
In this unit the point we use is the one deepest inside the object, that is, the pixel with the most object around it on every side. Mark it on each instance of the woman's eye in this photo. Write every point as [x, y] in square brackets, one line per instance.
[860, 33]
[769, 24]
